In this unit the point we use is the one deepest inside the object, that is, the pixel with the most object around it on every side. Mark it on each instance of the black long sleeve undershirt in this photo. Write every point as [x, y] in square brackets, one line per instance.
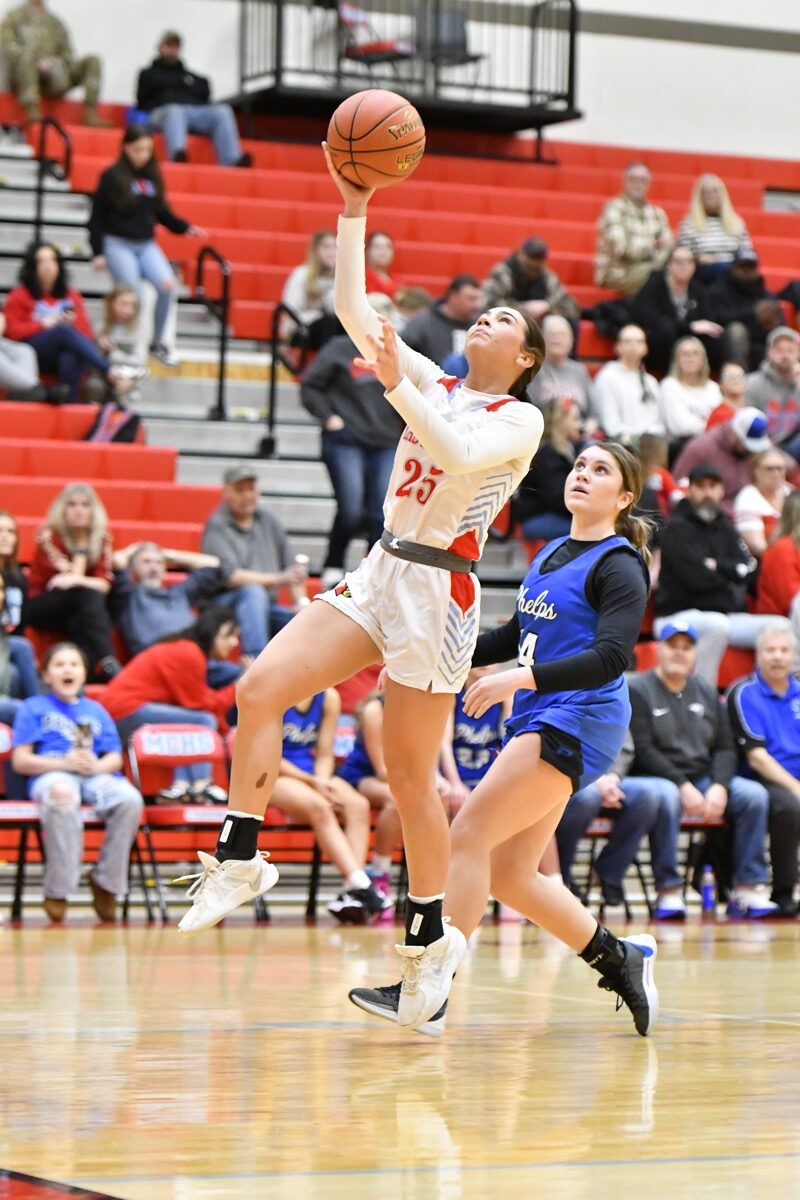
[617, 590]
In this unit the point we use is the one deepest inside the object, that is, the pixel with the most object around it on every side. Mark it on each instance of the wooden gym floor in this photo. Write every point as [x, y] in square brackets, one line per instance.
[140, 1066]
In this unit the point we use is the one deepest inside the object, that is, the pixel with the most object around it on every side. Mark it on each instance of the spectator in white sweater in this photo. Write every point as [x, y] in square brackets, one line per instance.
[688, 392]
[628, 399]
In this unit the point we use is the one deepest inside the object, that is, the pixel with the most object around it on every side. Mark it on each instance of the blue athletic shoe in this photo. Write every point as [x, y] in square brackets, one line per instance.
[751, 902]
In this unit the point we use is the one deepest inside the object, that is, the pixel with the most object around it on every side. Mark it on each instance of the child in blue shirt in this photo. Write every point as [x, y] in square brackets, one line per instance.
[70, 748]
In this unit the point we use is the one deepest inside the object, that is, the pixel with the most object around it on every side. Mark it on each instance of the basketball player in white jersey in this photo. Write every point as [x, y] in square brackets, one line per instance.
[413, 603]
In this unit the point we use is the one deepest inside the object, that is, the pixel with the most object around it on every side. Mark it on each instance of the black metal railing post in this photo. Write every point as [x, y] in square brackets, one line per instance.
[220, 308]
[277, 359]
[44, 163]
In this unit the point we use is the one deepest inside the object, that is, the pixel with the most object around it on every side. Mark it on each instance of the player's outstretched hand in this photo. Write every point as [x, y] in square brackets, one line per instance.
[355, 197]
[494, 689]
[385, 363]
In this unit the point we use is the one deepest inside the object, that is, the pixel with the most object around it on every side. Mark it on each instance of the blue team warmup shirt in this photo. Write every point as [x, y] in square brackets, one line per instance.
[301, 733]
[763, 718]
[51, 725]
[476, 741]
[556, 620]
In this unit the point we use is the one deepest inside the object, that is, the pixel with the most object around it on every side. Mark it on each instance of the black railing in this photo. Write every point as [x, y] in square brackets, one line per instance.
[470, 53]
[46, 167]
[279, 357]
[220, 308]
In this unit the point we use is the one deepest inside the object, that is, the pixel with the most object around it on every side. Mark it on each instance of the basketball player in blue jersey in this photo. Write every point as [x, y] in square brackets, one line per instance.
[577, 618]
[471, 744]
[308, 791]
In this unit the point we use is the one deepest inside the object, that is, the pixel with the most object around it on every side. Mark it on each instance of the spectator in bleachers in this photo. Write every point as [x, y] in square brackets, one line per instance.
[71, 750]
[712, 229]
[145, 610]
[634, 237]
[360, 431]
[19, 370]
[379, 255]
[24, 676]
[310, 794]
[471, 744]
[775, 390]
[779, 574]
[539, 501]
[628, 399]
[255, 559]
[684, 757]
[732, 386]
[365, 770]
[632, 819]
[441, 329]
[562, 377]
[730, 449]
[41, 61]
[71, 574]
[44, 311]
[8, 703]
[765, 714]
[166, 685]
[308, 292]
[128, 203]
[671, 304]
[740, 301]
[758, 506]
[652, 455]
[689, 393]
[524, 280]
[178, 102]
[409, 302]
[704, 574]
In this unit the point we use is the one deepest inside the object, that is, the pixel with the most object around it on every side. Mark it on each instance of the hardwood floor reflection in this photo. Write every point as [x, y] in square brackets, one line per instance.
[232, 1066]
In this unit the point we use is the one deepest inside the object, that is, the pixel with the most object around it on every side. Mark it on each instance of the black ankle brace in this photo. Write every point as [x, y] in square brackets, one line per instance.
[238, 838]
[423, 922]
[605, 952]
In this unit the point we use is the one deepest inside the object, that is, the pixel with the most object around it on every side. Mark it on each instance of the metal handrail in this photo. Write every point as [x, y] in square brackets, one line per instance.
[44, 161]
[220, 308]
[277, 355]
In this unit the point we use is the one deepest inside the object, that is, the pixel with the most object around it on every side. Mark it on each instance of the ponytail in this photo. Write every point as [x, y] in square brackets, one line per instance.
[637, 530]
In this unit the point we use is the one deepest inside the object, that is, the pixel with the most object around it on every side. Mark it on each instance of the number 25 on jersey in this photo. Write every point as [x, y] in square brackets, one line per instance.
[423, 493]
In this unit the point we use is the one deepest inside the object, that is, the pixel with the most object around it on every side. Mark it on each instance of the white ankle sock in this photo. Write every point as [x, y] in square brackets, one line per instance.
[357, 879]
[382, 863]
[426, 899]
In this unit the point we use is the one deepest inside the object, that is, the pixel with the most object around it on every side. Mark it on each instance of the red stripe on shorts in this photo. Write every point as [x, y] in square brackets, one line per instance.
[462, 590]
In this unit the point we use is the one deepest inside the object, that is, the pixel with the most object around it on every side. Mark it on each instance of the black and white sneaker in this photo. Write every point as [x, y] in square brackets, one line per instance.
[384, 1001]
[633, 981]
[357, 906]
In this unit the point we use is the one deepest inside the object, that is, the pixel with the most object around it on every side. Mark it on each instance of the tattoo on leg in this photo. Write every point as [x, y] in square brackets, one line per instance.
[261, 780]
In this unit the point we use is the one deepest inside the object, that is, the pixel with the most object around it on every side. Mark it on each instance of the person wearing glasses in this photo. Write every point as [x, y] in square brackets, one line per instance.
[758, 506]
[634, 237]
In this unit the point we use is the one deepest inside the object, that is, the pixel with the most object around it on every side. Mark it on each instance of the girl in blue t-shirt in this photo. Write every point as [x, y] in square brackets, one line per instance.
[578, 615]
[69, 747]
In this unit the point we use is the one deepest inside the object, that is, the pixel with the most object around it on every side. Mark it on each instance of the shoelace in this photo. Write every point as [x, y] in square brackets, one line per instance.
[411, 969]
[201, 878]
[625, 993]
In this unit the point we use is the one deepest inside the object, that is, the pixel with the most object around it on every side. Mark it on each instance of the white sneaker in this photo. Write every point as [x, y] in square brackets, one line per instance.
[222, 886]
[427, 975]
[670, 905]
[751, 901]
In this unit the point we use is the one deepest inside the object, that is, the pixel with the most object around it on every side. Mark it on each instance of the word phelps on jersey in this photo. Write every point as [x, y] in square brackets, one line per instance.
[538, 607]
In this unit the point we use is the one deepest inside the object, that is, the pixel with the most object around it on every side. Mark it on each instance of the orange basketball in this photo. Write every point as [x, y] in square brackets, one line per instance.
[376, 138]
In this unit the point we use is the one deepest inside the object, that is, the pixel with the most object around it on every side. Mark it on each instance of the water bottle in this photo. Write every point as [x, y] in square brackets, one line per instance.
[708, 892]
[300, 590]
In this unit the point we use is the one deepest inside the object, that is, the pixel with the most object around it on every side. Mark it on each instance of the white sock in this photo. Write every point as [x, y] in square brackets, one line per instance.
[234, 812]
[382, 863]
[357, 880]
[556, 877]
[426, 899]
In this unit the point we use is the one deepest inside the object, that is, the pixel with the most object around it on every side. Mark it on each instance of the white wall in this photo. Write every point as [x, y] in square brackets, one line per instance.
[634, 91]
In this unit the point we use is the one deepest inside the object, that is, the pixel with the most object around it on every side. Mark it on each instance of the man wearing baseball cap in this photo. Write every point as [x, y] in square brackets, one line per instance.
[685, 759]
[178, 102]
[255, 558]
[704, 573]
[729, 448]
[773, 389]
[523, 279]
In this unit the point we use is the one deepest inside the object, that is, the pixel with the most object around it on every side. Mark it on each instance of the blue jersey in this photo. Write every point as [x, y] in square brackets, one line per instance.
[556, 620]
[54, 727]
[358, 765]
[476, 741]
[301, 734]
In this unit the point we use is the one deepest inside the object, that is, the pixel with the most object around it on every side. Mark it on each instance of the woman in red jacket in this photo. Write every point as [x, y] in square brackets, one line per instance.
[48, 314]
[779, 575]
[166, 684]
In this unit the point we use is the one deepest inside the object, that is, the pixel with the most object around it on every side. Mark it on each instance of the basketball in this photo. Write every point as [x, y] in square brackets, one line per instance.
[376, 138]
